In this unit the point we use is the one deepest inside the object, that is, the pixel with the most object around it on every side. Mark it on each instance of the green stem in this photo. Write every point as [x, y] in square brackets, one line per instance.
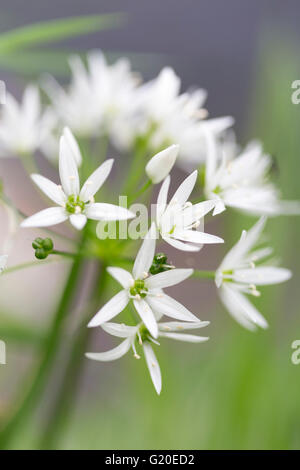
[30, 264]
[32, 395]
[140, 192]
[67, 394]
[137, 167]
[204, 274]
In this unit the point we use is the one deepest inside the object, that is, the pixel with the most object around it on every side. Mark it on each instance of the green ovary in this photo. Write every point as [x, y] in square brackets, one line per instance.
[139, 288]
[74, 205]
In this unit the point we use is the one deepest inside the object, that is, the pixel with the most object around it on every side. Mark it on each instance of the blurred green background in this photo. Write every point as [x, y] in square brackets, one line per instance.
[239, 390]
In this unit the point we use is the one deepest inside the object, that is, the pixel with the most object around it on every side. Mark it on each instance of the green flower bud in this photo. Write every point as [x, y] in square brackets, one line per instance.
[37, 243]
[40, 253]
[159, 264]
[42, 247]
[47, 244]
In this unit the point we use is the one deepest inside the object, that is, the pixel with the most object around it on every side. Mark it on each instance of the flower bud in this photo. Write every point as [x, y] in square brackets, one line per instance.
[43, 247]
[159, 264]
[40, 253]
[161, 164]
[48, 244]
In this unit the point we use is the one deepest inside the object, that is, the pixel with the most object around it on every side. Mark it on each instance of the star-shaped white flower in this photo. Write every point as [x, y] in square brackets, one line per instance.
[139, 334]
[238, 275]
[23, 126]
[145, 290]
[177, 219]
[241, 180]
[74, 203]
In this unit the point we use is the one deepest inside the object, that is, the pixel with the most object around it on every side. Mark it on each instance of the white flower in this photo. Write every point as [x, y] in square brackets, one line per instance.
[162, 163]
[241, 181]
[3, 262]
[239, 275]
[177, 220]
[145, 291]
[74, 203]
[139, 334]
[96, 95]
[24, 127]
[163, 115]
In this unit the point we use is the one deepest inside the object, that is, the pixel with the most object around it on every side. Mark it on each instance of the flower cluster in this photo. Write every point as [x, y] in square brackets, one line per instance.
[109, 104]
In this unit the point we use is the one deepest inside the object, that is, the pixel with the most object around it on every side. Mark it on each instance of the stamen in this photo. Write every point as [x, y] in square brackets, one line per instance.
[254, 291]
[72, 177]
[154, 341]
[196, 224]
[140, 338]
[135, 354]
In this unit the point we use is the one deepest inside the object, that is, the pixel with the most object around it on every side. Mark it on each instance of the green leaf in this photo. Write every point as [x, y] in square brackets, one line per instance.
[55, 30]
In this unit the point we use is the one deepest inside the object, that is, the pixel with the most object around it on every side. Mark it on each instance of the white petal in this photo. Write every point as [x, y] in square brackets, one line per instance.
[181, 245]
[73, 145]
[194, 236]
[112, 354]
[241, 309]
[119, 330]
[184, 337]
[168, 278]
[31, 103]
[153, 367]
[219, 207]
[95, 181]
[109, 212]
[196, 212]
[243, 246]
[181, 326]
[262, 276]
[162, 198]
[145, 254]
[78, 221]
[46, 217]
[3, 261]
[147, 316]
[166, 305]
[112, 308]
[183, 192]
[52, 190]
[68, 171]
[161, 164]
[122, 276]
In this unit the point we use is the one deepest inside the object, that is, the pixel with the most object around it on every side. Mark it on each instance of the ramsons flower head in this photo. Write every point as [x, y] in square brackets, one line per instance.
[74, 203]
[241, 271]
[145, 290]
[135, 337]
